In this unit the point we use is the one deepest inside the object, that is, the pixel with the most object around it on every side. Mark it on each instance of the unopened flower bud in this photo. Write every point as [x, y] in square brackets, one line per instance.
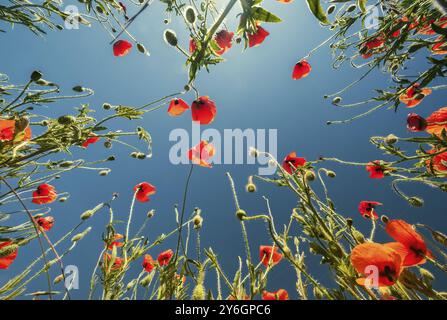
[66, 120]
[318, 293]
[391, 139]
[336, 100]
[351, 8]
[190, 14]
[111, 158]
[310, 176]
[134, 154]
[415, 201]
[66, 164]
[104, 173]
[79, 89]
[198, 221]
[171, 37]
[358, 236]
[426, 275]
[142, 49]
[63, 199]
[106, 106]
[108, 144]
[330, 174]
[349, 222]
[141, 156]
[58, 279]
[81, 235]
[241, 214]
[87, 214]
[253, 152]
[36, 76]
[331, 9]
[150, 213]
[250, 187]
[384, 219]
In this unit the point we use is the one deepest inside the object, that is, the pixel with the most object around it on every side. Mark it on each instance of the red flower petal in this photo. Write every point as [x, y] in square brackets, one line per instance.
[164, 257]
[258, 37]
[301, 70]
[143, 191]
[177, 107]
[203, 110]
[121, 48]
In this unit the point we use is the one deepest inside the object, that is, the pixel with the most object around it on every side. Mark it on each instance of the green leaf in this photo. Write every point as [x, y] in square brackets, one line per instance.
[129, 112]
[362, 5]
[263, 15]
[317, 10]
[438, 29]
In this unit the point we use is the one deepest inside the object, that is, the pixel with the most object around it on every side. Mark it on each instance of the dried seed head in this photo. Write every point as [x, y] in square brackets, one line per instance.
[171, 37]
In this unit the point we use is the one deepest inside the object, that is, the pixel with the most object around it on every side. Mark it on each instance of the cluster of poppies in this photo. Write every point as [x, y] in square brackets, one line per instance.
[8, 131]
[389, 259]
[203, 109]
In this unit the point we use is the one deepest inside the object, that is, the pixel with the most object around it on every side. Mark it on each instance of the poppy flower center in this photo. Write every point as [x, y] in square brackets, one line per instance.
[389, 273]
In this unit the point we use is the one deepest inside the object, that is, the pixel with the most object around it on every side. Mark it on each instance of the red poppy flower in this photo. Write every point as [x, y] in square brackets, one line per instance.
[301, 70]
[44, 193]
[416, 123]
[258, 37]
[177, 107]
[281, 294]
[438, 163]
[440, 47]
[45, 223]
[223, 39]
[410, 244]
[437, 122]
[414, 95]
[143, 191]
[90, 140]
[269, 253]
[387, 261]
[121, 48]
[291, 162]
[7, 129]
[366, 209]
[164, 257]
[192, 46]
[428, 30]
[376, 169]
[9, 255]
[116, 241]
[369, 47]
[201, 153]
[148, 263]
[117, 263]
[203, 110]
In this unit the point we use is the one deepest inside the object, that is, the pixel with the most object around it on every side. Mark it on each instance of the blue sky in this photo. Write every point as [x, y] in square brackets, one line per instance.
[252, 89]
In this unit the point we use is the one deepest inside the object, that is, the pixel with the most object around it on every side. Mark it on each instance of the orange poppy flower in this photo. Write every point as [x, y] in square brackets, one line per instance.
[143, 191]
[438, 163]
[291, 162]
[440, 47]
[177, 107]
[117, 264]
[192, 45]
[116, 241]
[410, 244]
[201, 153]
[416, 123]
[223, 39]
[164, 257]
[366, 209]
[414, 95]
[203, 110]
[44, 194]
[387, 261]
[376, 169]
[90, 140]
[7, 129]
[280, 294]
[301, 70]
[8, 259]
[269, 253]
[255, 39]
[437, 122]
[45, 223]
[148, 263]
[369, 47]
[121, 48]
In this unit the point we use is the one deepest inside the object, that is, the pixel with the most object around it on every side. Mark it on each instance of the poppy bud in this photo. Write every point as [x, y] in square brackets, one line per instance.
[108, 144]
[150, 213]
[134, 154]
[391, 139]
[439, 237]
[415, 201]
[330, 174]
[349, 222]
[66, 164]
[142, 49]
[44, 123]
[186, 87]
[331, 9]
[165, 21]
[170, 37]
[36, 76]
[426, 275]
[81, 235]
[104, 173]
[318, 293]
[106, 106]
[146, 280]
[253, 152]
[87, 214]
[336, 100]
[45, 83]
[131, 284]
[111, 158]
[66, 120]
[241, 214]
[250, 187]
[358, 236]
[198, 221]
[351, 8]
[190, 15]
[310, 176]
[62, 199]
[58, 279]
[384, 219]
[79, 89]
[141, 156]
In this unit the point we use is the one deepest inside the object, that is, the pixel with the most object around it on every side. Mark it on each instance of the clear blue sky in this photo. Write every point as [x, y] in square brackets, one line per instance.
[252, 89]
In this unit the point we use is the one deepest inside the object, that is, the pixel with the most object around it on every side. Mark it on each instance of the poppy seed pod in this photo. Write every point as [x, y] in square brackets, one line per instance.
[198, 221]
[241, 214]
[384, 219]
[190, 15]
[351, 8]
[81, 235]
[36, 76]
[358, 236]
[171, 37]
[142, 49]
[111, 158]
[250, 187]
[150, 213]
[108, 144]
[415, 201]
[86, 214]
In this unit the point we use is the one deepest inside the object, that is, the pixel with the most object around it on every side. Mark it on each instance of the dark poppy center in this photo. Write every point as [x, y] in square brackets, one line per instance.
[389, 272]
